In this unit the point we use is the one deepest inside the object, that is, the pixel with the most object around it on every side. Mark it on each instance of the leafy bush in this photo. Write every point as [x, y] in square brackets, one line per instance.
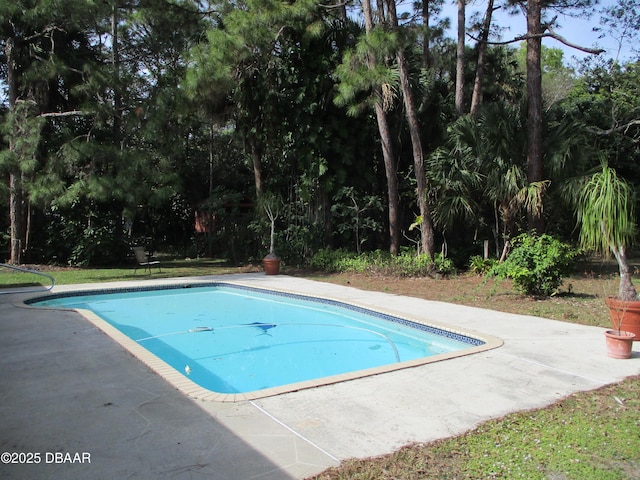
[407, 264]
[78, 236]
[326, 259]
[98, 246]
[537, 264]
[356, 214]
[480, 265]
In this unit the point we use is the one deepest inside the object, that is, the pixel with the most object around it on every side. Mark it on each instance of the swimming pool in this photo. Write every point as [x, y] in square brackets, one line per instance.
[228, 341]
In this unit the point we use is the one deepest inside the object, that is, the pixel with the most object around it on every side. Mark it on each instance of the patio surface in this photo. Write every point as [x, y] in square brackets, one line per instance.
[78, 405]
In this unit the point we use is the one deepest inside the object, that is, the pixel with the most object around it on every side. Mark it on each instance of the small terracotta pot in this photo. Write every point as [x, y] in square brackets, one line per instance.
[619, 343]
[271, 264]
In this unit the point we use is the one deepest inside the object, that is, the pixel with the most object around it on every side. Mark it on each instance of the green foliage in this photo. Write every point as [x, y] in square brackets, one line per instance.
[607, 101]
[606, 212]
[325, 259]
[480, 265]
[356, 213]
[407, 264]
[301, 234]
[557, 79]
[478, 176]
[606, 215]
[21, 130]
[98, 246]
[82, 236]
[537, 264]
[620, 21]
[364, 70]
[258, 83]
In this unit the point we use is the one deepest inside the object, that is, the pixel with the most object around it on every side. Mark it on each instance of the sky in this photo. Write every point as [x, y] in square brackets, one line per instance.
[575, 30]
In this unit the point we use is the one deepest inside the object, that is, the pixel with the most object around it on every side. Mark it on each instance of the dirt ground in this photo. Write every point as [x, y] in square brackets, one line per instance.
[580, 299]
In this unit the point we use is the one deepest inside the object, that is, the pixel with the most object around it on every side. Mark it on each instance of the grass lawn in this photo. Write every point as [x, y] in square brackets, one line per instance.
[590, 435]
[75, 275]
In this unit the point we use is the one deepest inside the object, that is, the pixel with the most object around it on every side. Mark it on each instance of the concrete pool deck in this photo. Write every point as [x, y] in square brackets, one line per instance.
[89, 409]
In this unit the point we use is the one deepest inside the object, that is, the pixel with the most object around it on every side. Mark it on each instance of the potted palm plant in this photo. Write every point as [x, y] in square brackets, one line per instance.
[606, 215]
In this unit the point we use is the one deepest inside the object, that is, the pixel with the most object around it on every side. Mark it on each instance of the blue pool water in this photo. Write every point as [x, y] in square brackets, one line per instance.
[233, 339]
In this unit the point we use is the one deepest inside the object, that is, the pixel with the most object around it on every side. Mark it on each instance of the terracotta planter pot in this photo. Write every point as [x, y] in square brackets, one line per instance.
[271, 264]
[624, 315]
[619, 343]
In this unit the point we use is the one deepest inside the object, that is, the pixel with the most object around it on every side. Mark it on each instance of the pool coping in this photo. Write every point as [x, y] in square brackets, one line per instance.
[182, 383]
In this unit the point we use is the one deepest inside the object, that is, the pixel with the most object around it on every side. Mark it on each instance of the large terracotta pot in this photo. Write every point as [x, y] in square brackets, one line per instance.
[271, 264]
[619, 343]
[624, 315]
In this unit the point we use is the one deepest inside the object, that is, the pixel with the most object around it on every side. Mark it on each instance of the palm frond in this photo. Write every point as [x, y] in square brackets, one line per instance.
[606, 212]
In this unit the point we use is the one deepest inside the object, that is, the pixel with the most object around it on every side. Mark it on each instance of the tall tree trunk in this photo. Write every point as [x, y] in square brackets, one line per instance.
[476, 98]
[325, 218]
[382, 18]
[393, 197]
[115, 62]
[535, 170]
[426, 36]
[256, 158]
[16, 191]
[460, 59]
[626, 290]
[426, 227]
[411, 113]
[16, 217]
[210, 230]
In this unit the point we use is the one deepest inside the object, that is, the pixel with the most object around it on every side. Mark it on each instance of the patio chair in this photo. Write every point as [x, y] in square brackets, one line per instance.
[144, 260]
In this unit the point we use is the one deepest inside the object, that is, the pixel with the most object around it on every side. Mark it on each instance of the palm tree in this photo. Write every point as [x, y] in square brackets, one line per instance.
[455, 173]
[483, 163]
[607, 221]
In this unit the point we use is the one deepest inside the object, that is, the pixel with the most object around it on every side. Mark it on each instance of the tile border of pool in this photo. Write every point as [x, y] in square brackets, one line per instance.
[195, 391]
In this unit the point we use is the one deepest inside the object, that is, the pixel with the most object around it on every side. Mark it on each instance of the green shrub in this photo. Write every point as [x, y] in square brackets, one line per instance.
[407, 264]
[367, 262]
[536, 264]
[480, 265]
[328, 260]
[98, 246]
[444, 265]
[353, 263]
